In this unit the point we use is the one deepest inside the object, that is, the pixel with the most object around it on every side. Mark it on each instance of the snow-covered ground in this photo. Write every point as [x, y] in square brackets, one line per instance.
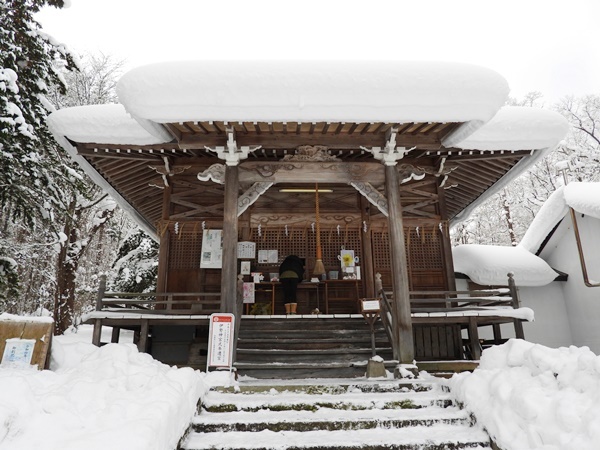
[529, 396]
[526, 395]
[97, 399]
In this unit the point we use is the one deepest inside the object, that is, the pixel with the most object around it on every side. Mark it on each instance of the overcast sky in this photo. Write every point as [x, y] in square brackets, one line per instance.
[552, 46]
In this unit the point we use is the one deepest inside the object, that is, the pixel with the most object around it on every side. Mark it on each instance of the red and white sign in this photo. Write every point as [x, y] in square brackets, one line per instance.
[220, 340]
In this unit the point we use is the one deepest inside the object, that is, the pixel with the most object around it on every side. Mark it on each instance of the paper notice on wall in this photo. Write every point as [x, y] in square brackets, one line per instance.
[212, 249]
[248, 293]
[268, 256]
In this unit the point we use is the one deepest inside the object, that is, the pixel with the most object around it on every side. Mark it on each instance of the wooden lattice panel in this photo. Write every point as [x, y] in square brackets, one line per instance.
[302, 242]
[184, 251]
[380, 241]
[424, 249]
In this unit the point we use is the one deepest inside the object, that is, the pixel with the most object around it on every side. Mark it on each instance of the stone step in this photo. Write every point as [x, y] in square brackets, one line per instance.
[435, 437]
[315, 399]
[328, 419]
[332, 387]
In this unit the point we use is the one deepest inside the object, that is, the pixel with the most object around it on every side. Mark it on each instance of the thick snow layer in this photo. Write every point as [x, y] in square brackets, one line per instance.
[490, 265]
[12, 317]
[582, 197]
[105, 398]
[531, 397]
[104, 124]
[312, 91]
[518, 128]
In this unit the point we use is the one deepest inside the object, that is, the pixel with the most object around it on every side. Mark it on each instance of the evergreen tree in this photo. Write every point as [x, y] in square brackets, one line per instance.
[29, 62]
[137, 264]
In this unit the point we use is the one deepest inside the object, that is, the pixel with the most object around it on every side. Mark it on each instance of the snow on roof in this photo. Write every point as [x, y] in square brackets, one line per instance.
[312, 91]
[582, 197]
[105, 124]
[518, 128]
[490, 265]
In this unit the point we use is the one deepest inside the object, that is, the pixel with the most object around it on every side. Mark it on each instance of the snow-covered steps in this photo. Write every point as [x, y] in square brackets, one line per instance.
[333, 414]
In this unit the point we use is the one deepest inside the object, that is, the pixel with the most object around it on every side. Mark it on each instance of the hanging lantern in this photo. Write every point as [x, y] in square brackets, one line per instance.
[319, 268]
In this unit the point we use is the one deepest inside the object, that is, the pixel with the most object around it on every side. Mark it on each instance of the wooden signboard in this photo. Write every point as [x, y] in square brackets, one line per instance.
[24, 341]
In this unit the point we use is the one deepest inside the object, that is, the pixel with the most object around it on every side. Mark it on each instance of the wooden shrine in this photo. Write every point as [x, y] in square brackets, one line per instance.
[387, 190]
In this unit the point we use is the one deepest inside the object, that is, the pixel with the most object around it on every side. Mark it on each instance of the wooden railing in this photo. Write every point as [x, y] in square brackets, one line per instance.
[157, 303]
[160, 303]
[423, 303]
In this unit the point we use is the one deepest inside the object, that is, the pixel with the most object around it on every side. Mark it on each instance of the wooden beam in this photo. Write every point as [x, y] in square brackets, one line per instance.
[311, 172]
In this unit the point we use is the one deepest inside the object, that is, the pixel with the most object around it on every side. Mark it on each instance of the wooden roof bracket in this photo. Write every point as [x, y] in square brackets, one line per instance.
[232, 154]
[390, 154]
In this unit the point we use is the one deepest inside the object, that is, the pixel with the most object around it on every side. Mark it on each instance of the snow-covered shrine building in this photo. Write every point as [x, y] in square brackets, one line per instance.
[374, 159]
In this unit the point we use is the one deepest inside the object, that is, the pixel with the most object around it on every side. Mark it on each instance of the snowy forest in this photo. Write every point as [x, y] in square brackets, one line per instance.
[59, 232]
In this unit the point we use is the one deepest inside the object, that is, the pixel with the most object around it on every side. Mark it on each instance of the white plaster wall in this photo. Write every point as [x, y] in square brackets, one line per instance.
[582, 303]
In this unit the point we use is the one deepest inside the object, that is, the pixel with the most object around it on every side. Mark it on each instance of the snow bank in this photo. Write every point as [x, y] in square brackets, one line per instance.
[312, 91]
[582, 197]
[530, 397]
[519, 128]
[108, 397]
[104, 124]
[490, 265]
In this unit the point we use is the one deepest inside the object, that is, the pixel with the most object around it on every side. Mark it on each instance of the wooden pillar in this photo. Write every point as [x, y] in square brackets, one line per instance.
[230, 241]
[402, 320]
[367, 267]
[474, 339]
[446, 244]
[164, 243]
[143, 340]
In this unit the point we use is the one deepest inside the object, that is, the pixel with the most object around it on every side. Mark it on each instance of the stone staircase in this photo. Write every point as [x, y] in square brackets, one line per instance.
[307, 346]
[333, 414]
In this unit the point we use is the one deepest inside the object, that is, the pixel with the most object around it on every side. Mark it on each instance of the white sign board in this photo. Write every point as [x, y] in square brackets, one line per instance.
[220, 340]
[18, 352]
[370, 306]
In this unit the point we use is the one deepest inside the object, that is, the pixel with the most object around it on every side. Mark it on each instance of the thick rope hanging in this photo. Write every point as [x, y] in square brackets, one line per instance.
[319, 268]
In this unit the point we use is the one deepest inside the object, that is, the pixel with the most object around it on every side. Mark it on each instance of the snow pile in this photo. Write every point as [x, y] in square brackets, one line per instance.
[105, 124]
[312, 91]
[582, 197]
[530, 397]
[489, 265]
[519, 128]
[108, 397]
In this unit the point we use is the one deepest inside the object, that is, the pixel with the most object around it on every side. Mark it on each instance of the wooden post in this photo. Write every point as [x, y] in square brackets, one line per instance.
[230, 240]
[116, 332]
[97, 332]
[445, 240]
[165, 239]
[368, 271]
[402, 319]
[474, 339]
[143, 341]
[514, 293]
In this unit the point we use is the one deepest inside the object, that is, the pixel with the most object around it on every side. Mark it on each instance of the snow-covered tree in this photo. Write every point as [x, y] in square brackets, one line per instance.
[137, 264]
[29, 66]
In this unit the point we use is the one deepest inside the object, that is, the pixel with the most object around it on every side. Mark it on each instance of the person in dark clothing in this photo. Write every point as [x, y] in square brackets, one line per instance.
[291, 272]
